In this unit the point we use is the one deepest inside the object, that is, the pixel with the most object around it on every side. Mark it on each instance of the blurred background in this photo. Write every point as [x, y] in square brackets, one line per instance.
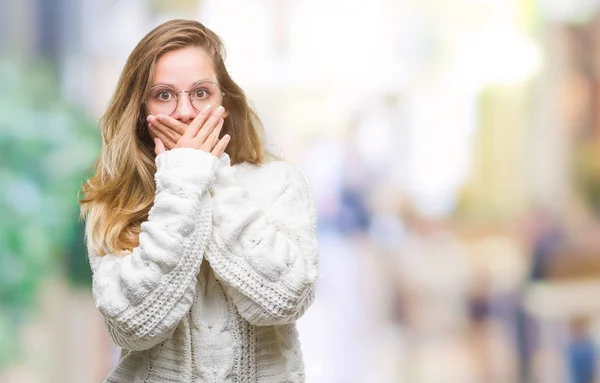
[454, 151]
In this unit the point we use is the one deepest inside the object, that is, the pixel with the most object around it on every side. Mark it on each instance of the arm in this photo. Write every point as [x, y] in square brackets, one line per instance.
[143, 295]
[265, 256]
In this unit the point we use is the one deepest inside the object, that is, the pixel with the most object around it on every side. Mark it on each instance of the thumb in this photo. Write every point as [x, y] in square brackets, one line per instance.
[159, 147]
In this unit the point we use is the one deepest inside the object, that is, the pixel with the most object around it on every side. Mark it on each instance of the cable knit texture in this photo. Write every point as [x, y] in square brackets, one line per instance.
[227, 262]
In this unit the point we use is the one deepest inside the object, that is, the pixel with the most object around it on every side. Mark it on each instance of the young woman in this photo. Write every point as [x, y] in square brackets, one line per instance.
[204, 254]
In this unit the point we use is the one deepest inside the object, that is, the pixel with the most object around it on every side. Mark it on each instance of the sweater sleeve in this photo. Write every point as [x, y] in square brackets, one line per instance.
[144, 294]
[265, 254]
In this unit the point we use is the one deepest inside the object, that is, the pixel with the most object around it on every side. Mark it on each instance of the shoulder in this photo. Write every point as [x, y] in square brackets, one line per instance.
[274, 172]
[275, 179]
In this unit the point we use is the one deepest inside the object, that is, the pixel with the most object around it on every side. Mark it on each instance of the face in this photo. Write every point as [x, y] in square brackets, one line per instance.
[181, 70]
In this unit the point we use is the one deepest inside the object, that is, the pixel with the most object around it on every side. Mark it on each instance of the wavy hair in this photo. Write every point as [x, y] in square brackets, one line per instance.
[118, 196]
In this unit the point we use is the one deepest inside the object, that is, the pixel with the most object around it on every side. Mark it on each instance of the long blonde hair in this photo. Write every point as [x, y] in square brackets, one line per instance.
[119, 195]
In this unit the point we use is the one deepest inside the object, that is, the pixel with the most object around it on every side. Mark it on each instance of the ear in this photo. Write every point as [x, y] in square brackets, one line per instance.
[226, 113]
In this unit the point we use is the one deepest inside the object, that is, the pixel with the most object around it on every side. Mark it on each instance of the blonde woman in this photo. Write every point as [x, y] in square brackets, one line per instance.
[204, 254]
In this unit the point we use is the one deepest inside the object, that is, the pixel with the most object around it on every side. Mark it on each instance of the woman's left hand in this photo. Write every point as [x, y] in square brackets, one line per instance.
[168, 129]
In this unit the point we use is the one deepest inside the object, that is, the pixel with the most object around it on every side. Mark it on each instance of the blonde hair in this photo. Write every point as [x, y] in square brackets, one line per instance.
[120, 193]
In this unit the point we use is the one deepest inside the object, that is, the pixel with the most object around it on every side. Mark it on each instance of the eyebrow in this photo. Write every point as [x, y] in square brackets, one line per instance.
[173, 86]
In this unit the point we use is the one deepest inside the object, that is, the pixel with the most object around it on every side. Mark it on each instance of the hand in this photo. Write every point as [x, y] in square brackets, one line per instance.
[169, 132]
[202, 133]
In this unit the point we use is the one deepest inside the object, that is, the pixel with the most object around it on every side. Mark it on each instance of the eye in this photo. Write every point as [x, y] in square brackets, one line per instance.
[200, 93]
[163, 95]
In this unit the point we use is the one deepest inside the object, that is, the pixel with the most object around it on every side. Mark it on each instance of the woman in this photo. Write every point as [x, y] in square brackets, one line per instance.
[204, 254]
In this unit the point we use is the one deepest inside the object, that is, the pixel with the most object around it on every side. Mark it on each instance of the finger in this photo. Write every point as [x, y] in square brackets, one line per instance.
[213, 138]
[166, 140]
[171, 123]
[167, 131]
[208, 128]
[198, 122]
[221, 145]
[159, 147]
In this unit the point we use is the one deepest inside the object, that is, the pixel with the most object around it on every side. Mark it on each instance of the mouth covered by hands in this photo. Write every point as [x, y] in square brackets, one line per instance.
[202, 133]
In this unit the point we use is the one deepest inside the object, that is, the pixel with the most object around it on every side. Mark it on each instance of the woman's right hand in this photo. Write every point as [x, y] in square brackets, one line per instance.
[202, 133]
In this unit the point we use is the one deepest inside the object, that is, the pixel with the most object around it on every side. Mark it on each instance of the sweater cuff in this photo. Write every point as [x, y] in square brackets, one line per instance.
[181, 169]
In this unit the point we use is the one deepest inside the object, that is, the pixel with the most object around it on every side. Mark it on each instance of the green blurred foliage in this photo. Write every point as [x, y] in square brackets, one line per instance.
[46, 149]
[586, 171]
[182, 8]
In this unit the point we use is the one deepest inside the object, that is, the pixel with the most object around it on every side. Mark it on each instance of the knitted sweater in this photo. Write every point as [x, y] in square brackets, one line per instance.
[226, 263]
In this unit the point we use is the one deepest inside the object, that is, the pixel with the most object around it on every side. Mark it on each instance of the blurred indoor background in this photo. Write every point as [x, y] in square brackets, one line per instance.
[454, 150]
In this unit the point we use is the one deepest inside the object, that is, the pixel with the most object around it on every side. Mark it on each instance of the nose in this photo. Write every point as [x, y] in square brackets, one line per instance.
[185, 111]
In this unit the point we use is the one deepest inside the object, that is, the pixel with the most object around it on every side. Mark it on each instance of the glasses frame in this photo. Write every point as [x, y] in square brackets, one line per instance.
[145, 102]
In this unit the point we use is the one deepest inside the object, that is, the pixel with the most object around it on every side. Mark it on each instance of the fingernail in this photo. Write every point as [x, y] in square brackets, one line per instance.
[161, 117]
[151, 118]
[220, 109]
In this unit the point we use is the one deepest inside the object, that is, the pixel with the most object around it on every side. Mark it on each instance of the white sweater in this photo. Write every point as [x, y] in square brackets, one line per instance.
[227, 262]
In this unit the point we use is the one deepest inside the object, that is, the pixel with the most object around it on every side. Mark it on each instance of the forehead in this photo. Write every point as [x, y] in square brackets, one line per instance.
[183, 67]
